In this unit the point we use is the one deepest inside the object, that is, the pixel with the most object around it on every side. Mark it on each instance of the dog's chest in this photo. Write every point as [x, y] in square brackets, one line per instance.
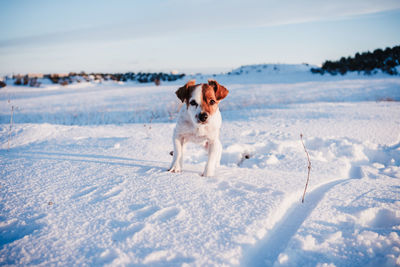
[197, 135]
[202, 131]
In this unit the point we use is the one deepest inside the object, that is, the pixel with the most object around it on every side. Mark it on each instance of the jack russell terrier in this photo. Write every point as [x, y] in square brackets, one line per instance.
[199, 122]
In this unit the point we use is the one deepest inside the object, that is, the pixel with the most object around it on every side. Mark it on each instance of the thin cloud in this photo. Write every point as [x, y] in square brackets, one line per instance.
[180, 17]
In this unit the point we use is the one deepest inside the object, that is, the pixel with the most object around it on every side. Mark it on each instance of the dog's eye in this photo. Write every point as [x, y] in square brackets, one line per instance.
[212, 102]
[193, 103]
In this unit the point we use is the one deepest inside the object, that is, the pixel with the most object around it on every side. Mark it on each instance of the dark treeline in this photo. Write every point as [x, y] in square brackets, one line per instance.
[385, 60]
[72, 77]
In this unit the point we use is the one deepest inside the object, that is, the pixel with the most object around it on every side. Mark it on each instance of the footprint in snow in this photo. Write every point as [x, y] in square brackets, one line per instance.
[146, 212]
[379, 218]
[84, 192]
[251, 188]
[226, 188]
[127, 232]
[15, 229]
[242, 187]
[113, 192]
[154, 213]
[115, 224]
[223, 186]
[167, 214]
[134, 207]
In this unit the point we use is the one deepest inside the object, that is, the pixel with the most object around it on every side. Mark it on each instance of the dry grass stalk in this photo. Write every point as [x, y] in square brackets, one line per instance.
[308, 167]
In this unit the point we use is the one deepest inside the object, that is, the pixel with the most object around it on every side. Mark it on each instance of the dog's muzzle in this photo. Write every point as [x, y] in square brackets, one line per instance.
[203, 117]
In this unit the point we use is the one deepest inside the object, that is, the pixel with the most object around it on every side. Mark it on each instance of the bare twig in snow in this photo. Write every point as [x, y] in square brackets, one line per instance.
[245, 156]
[309, 167]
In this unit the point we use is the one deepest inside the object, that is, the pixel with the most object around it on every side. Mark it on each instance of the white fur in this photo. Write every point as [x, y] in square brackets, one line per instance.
[188, 129]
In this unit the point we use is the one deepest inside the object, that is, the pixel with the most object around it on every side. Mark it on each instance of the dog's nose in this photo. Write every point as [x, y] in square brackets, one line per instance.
[203, 117]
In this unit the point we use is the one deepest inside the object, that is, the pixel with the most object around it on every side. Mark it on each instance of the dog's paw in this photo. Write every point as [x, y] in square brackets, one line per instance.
[175, 169]
[207, 174]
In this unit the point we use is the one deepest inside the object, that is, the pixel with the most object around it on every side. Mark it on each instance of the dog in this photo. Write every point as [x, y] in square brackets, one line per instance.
[199, 121]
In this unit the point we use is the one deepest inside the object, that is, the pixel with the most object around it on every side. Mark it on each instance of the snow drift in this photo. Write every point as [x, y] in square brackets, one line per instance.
[85, 181]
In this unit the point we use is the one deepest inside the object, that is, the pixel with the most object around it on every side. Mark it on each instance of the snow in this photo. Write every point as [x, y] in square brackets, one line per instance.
[85, 181]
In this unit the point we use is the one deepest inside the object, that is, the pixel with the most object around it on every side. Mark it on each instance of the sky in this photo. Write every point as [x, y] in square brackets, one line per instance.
[46, 36]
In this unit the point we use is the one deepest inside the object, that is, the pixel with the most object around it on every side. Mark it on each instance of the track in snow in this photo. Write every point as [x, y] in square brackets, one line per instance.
[266, 252]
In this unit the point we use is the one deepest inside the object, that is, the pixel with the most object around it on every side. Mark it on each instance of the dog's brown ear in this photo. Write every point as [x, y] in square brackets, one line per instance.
[183, 93]
[220, 91]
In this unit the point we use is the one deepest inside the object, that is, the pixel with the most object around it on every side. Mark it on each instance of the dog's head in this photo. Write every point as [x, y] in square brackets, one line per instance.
[202, 99]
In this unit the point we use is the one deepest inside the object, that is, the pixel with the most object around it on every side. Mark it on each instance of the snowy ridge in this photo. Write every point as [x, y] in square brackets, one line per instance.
[272, 69]
[108, 103]
[284, 74]
[97, 192]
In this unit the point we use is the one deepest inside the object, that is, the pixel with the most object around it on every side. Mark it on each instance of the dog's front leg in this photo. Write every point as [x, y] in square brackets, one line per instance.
[214, 157]
[176, 165]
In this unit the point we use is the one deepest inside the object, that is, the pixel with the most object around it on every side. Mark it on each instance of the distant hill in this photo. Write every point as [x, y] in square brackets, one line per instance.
[368, 62]
[262, 73]
[379, 61]
[271, 69]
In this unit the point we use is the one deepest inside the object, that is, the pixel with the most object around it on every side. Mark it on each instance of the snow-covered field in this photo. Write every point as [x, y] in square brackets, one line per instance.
[85, 181]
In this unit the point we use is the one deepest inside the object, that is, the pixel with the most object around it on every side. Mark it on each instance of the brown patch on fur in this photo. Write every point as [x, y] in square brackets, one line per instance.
[220, 91]
[212, 93]
[185, 91]
[208, 98]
